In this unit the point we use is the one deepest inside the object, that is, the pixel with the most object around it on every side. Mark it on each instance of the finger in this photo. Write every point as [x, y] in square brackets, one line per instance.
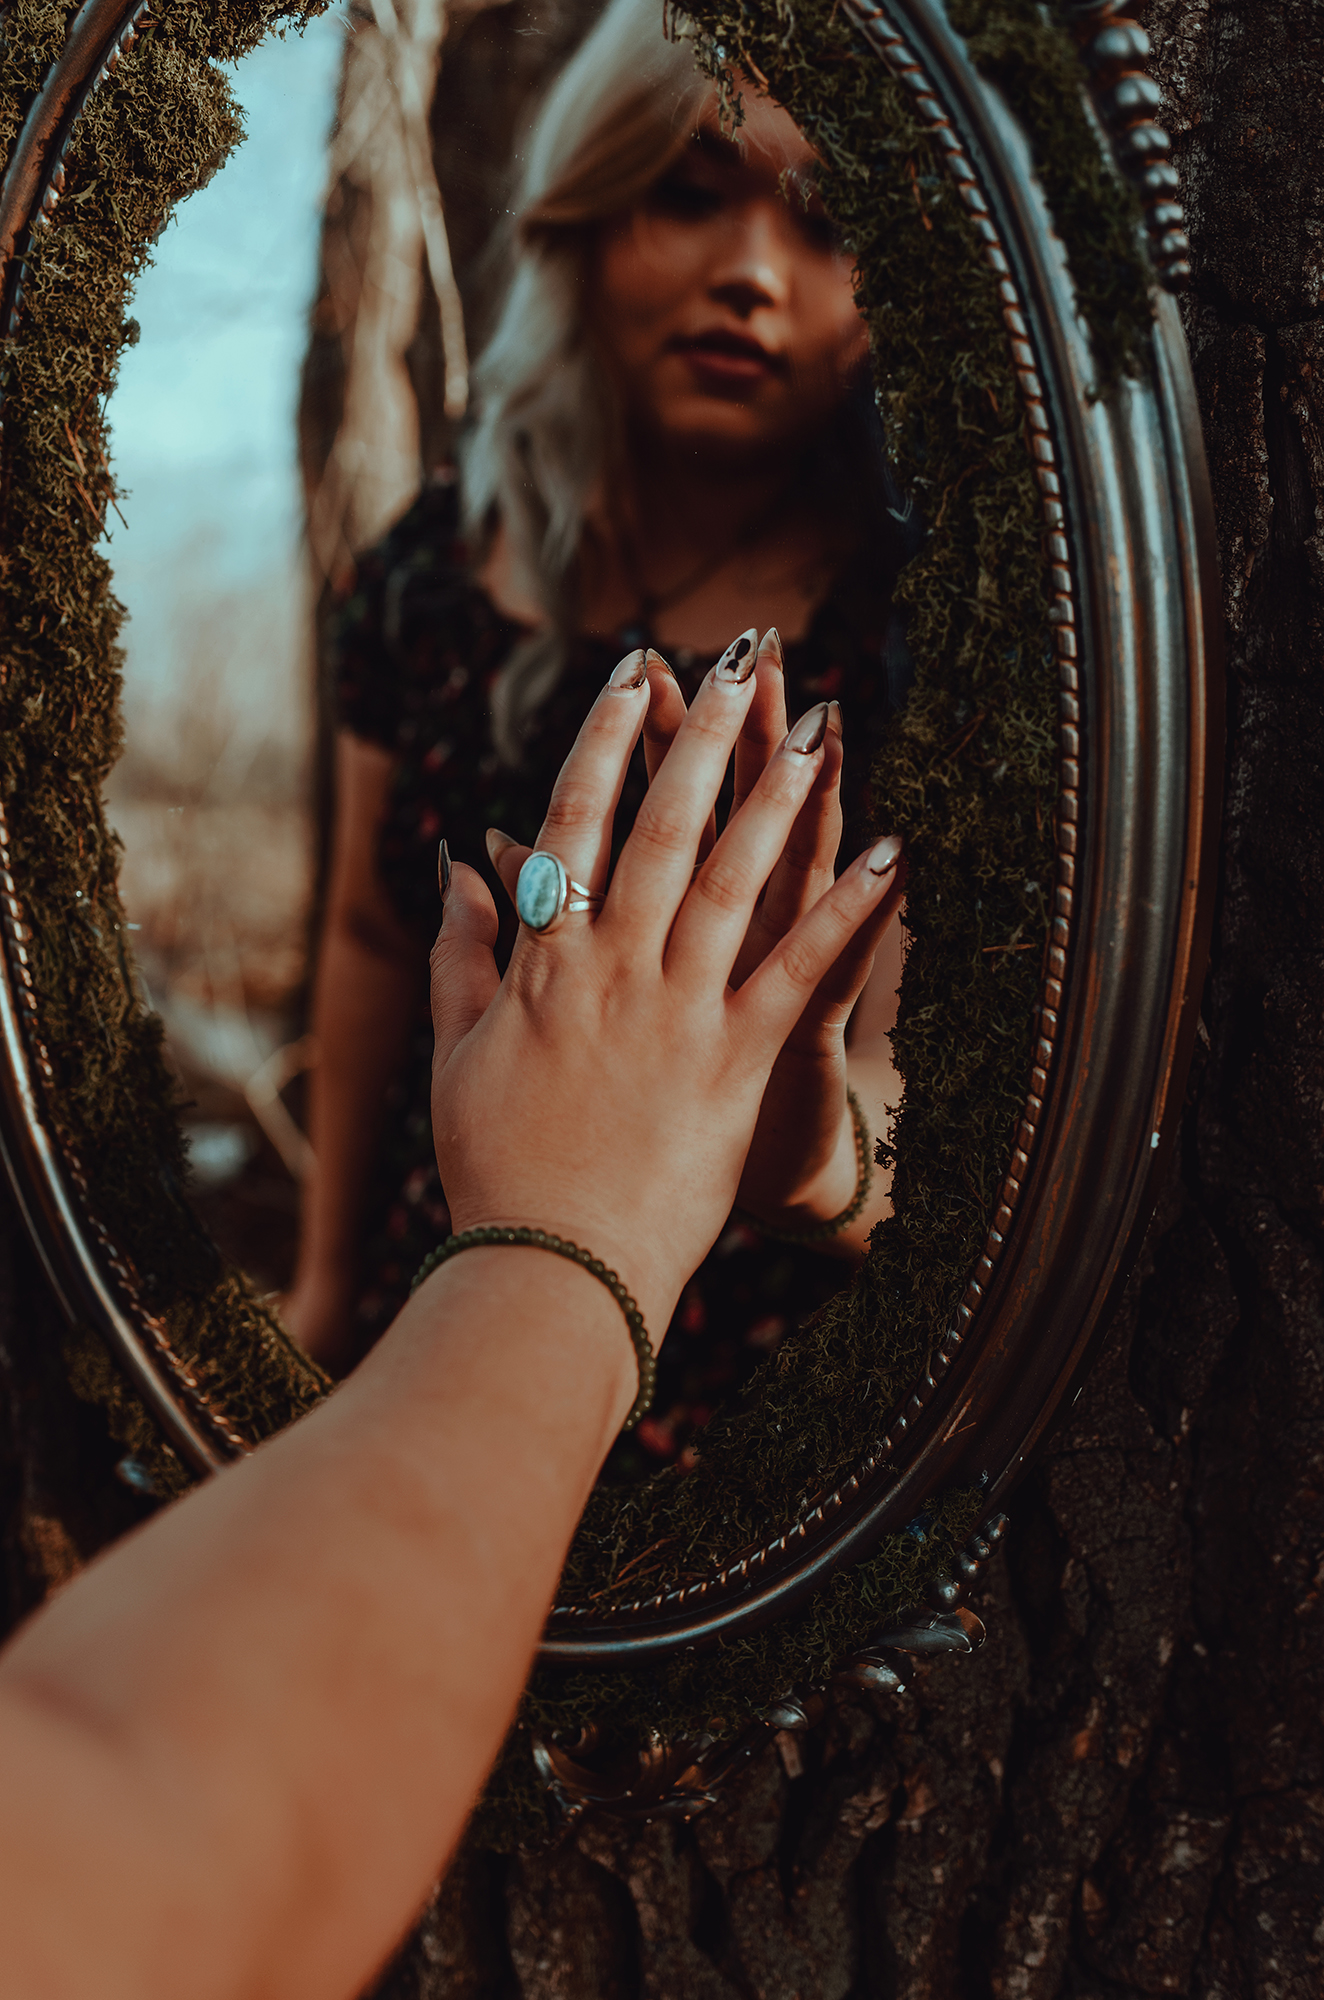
[775, 996]
[807, 862]
[823, 1022]
[765, 725]
[463, 970]
[577, 828]
[507, 857]
[716, 915]
[657, 862]
[666, 713]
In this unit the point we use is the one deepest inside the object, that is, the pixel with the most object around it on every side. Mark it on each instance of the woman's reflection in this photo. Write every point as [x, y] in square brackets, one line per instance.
[676, 440]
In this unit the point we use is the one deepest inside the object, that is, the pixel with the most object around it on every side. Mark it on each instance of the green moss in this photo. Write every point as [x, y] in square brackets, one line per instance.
[967, 775]
[1019, 46]
[159, 129]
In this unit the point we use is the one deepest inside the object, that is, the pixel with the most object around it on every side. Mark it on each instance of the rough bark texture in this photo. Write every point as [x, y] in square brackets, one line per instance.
[1123, 1796]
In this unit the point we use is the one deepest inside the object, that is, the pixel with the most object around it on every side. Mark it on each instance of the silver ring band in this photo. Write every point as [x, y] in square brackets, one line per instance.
[545, 896]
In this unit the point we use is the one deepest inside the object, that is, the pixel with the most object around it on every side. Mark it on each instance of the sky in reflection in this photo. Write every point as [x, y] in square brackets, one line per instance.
[203, 417]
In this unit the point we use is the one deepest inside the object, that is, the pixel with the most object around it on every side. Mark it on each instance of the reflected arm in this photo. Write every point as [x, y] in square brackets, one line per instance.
[370, 974]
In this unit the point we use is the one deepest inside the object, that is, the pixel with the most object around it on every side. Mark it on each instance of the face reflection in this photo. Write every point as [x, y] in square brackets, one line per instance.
[720, 303]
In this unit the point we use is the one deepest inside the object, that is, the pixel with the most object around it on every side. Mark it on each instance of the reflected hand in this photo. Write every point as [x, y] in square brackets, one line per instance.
[802, 1166]
[608, 1088]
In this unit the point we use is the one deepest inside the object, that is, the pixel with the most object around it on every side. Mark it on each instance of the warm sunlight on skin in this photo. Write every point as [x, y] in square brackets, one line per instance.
[720, 303]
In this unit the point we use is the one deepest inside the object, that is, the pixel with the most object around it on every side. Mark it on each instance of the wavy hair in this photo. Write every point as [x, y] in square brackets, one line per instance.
[620, 111]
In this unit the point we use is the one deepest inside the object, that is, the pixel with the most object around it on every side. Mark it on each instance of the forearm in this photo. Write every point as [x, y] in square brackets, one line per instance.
[280, 1809]
[364, 1005]
[832, 1190]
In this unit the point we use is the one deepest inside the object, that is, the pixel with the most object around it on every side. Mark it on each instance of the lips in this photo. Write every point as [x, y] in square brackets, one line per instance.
[727, 357]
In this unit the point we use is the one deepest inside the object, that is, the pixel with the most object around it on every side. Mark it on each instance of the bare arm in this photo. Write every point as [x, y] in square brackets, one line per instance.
[235, 1753]
[370, 972]
[238, 1751]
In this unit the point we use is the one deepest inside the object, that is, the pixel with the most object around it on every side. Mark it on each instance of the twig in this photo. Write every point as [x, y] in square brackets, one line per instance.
[418, 153]
[609, 1588]
[957, 743]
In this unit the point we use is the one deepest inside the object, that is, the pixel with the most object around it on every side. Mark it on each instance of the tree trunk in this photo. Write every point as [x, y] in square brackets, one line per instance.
[1123, 1795]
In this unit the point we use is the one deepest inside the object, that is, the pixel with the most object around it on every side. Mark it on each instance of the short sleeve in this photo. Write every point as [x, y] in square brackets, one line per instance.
[366, 663]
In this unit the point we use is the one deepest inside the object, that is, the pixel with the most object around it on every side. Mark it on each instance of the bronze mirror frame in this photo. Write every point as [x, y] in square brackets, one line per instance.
[1131, 570]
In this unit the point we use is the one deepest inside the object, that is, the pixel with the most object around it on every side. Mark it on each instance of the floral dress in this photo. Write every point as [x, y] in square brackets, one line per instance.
[415, 649]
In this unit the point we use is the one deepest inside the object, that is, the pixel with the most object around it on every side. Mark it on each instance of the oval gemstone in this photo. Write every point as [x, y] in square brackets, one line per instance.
[539, 891]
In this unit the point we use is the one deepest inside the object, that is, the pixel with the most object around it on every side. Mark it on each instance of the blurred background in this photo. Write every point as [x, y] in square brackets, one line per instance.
[300, 364]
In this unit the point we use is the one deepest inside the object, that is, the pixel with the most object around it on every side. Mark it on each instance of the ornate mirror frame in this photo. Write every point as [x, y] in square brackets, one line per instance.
[1017, 152]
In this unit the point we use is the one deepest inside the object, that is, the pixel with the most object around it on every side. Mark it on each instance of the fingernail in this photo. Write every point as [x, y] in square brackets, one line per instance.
[496, 842]
[629, 673]
[884, 857]
[443, 868]
[834, 717]
[653, 659]
[739, 660]
[808, 731]
[770, 649]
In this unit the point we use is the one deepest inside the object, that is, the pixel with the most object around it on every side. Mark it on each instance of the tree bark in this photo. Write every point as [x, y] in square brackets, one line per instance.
[1123, 1795]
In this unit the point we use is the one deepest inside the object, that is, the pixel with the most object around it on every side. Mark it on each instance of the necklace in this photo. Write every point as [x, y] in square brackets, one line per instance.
[641, 630]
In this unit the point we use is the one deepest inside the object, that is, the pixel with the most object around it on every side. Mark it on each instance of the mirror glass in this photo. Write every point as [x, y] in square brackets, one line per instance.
[670, 437]
[212, 796]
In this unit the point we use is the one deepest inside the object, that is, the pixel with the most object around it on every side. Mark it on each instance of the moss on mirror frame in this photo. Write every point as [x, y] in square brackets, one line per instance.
[159, 129]
[968, 778]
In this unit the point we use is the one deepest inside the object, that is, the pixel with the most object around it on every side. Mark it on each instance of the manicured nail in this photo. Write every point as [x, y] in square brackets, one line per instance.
[770, 649]
[808, 731]
[443, 868]
[883, 858]
[738, 661]
[653, 659]
[834, 717]
[496, 842]
[629, 673]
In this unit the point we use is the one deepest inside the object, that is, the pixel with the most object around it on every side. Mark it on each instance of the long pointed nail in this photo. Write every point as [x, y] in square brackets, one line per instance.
[738, 661]
[808, 731]
[834, 717]
[443, 868]
[629, 673]
[655, 659]
[770, 649]
[496, 842]
[884, 857]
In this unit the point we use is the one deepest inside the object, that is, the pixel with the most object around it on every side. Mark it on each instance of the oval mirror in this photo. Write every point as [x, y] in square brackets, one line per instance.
[1039, 718]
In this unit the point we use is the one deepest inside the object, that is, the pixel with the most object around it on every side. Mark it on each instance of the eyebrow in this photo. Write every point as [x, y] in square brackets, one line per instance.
[803, 175]
[704, 140]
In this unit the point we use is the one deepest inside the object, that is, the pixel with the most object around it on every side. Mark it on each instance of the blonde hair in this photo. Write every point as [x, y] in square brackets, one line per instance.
[622, 108]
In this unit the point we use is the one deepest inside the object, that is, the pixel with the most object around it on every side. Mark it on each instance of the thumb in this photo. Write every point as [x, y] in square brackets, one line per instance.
[464, 975]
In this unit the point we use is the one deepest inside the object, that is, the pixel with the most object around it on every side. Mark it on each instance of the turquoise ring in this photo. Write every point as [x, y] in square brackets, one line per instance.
[545, 896]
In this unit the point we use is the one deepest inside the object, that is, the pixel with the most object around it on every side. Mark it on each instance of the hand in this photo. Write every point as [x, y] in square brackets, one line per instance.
[608, 1088]
[802, 1167]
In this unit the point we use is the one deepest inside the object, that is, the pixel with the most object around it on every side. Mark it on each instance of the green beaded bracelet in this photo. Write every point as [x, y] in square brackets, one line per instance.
[539, 1239]
[822, 1230]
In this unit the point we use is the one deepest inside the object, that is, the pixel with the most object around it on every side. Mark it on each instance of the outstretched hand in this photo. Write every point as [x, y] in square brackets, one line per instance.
[802, 1164]
[608, 1088]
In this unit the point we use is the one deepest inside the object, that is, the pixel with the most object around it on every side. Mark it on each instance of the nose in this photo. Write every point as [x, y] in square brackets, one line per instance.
[753, 269]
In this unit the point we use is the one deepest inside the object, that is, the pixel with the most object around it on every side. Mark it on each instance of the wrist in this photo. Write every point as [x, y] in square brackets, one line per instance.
[560, 1336]
[828, 1206]
[509, 1236]
[642, 1268]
